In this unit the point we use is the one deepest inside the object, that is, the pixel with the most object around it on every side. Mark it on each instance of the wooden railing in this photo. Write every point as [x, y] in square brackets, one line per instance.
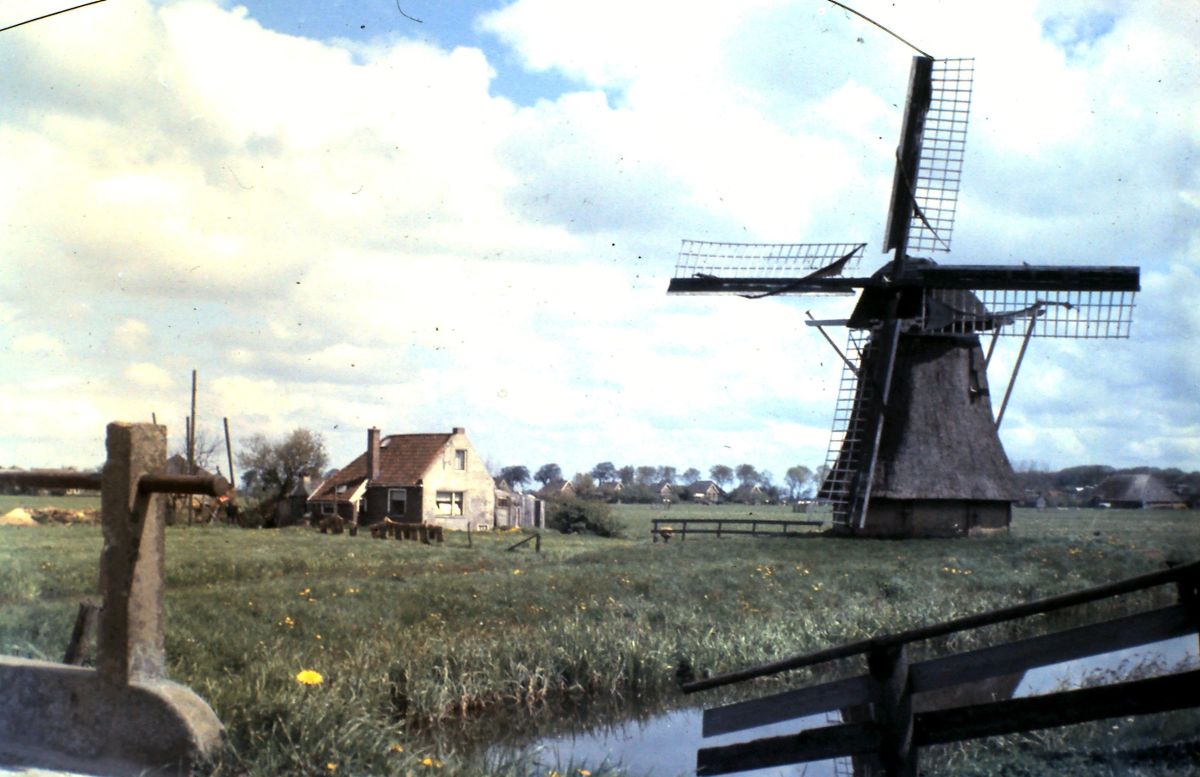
[890, 740]
[665, 529]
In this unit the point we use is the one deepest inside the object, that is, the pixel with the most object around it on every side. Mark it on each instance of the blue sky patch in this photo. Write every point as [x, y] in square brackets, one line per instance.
[447, 25]
[1074, 34]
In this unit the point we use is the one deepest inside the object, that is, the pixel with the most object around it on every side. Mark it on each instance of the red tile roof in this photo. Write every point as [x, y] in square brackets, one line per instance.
[403, 459]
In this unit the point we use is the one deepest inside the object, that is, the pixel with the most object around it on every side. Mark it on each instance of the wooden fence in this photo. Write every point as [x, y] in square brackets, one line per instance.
[665, 528]
[889, 741]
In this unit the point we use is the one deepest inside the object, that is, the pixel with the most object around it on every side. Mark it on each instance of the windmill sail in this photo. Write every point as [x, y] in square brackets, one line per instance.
[930, 158]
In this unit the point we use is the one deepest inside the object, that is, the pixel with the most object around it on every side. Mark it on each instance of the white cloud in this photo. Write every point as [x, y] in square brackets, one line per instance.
[131, 334]
[148, 376]
[345, 234]
[36, 344]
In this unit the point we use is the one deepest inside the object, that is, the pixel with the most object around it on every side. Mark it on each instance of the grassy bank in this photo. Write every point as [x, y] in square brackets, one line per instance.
[410, 640]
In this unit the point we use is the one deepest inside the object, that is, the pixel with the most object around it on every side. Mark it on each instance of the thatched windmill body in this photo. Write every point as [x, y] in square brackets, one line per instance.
[914, 449]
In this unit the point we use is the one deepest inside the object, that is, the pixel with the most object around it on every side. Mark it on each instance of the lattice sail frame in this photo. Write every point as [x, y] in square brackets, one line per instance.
[943, 146]
[762, 260]
[1086, 315]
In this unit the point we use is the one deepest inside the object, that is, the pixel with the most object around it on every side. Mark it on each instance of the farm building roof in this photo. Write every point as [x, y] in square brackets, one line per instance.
[1144, 489]
[403, 460]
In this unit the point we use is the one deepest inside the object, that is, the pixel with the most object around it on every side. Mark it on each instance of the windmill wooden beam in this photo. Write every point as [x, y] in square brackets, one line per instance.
[1043, 277]
[956, 276]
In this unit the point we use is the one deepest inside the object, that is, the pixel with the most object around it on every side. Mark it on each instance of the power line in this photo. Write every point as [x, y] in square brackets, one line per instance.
[47, 16]
[880, 26]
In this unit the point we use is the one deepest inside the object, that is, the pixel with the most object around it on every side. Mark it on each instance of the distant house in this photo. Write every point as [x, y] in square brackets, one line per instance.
[667, 491]
[750, 494]
[414, 478]
[556, 489]
[611, 491]
[704, 492]
[1135, 492]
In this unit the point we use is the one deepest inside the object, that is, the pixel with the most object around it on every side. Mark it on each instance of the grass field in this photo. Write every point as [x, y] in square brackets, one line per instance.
[425, 652]
[81, 502]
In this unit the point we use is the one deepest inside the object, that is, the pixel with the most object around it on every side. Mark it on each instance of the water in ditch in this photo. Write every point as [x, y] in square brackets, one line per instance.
[664, 744]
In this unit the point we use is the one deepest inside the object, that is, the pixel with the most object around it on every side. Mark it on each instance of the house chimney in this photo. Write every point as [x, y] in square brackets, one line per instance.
[372, 454]
[459, 430]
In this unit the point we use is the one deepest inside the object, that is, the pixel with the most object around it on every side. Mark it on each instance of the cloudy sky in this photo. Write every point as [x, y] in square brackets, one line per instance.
[344, 217]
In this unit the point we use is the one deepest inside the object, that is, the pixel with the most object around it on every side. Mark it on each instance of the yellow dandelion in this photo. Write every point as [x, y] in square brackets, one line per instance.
[396, 748]
[584, 773]
[309, 677]
[516, 571]
[331, 766]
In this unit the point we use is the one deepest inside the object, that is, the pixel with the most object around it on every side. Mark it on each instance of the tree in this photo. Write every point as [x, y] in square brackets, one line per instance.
[205, 452]
[516, 476]
[797, 478]
[747, 475]
[627, 475]
[272, 468]
[668, 474]
[548, 472]
[721, 475]
[604, 472]
[645, 475]
[690, 475]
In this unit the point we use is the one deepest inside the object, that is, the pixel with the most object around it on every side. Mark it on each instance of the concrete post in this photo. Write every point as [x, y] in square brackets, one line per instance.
[123, 717]
[130, 643]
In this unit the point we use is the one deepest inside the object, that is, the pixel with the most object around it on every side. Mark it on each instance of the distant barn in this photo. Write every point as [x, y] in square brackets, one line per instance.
[1136, 492]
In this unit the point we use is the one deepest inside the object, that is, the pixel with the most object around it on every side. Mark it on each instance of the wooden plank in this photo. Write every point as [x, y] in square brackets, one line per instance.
[1137, 697]
[743, 521]
[811, 745]
[1117, 634]
[788, 705]
[1129, 585]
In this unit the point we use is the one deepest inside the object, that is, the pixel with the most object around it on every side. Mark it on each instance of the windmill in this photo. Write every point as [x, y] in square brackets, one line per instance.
[914, 449]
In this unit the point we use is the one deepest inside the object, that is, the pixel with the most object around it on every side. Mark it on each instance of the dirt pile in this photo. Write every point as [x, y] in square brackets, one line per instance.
[17, 517]
[48, 515]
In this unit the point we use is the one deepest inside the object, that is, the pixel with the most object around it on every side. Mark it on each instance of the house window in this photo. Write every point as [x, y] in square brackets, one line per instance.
[397, 501]
[450, 502]
[327, 508]
[460, 459]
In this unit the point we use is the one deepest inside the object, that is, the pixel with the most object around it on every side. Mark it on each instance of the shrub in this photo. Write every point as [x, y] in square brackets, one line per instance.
[579, 516]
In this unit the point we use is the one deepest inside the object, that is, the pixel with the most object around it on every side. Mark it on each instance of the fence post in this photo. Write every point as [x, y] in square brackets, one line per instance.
[1188, 591]
[893, 712]
[130, 640]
